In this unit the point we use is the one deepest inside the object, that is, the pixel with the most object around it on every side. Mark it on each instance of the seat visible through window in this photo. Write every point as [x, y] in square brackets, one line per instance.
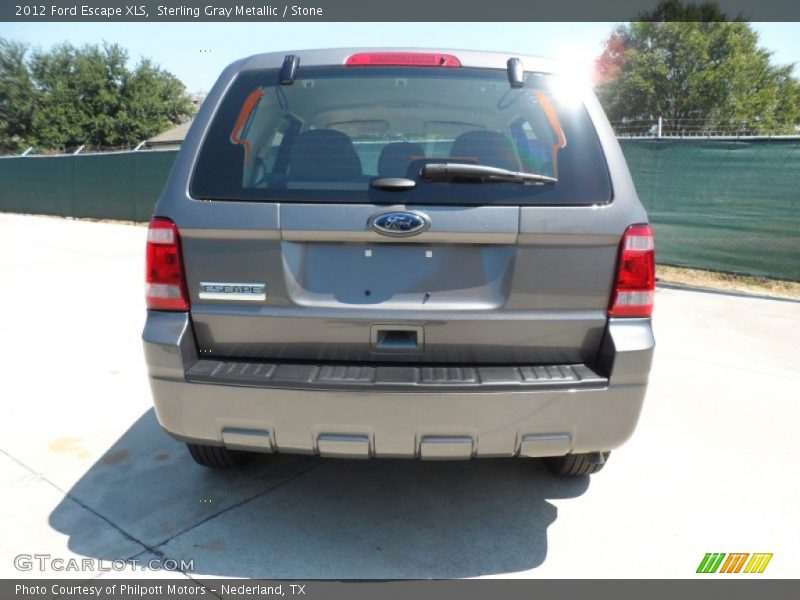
[396, 156]
[487, 148]
[324, 155]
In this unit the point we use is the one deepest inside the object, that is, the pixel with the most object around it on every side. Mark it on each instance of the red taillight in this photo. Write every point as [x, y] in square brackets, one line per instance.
[401, 59]
[635, 284]
[164, 281]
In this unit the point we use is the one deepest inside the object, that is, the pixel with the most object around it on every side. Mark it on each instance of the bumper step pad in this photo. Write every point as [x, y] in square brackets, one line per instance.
[395, 378]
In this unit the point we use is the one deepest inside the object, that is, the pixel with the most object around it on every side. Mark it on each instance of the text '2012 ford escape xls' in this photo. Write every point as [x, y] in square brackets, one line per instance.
[399, 254]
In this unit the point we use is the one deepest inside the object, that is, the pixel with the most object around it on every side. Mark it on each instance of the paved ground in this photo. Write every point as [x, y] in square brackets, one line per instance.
[713, 466]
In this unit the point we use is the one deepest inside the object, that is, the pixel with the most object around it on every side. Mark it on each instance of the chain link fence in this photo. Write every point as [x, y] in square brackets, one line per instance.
[684, 128]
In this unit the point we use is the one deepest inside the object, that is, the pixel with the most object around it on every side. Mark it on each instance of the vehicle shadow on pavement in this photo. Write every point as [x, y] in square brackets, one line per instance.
[306, 517]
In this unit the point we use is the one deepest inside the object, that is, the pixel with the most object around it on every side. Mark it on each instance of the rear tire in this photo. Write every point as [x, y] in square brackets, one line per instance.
[217, 457]
[576, 465]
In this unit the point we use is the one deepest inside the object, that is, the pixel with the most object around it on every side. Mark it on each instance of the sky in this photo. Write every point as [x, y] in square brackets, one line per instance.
[197, 52]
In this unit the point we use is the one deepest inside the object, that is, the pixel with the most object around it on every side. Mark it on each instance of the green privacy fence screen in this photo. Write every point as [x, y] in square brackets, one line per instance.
[727, 205]
[122, 185]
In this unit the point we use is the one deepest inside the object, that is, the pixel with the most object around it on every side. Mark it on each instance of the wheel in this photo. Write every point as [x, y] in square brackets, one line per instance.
[217, 457]
[574, 465]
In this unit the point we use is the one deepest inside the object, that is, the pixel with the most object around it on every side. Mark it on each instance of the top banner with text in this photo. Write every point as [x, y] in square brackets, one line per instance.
[367, 10]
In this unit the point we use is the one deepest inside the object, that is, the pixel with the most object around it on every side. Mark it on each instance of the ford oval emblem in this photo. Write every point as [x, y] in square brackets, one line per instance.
[400, 223]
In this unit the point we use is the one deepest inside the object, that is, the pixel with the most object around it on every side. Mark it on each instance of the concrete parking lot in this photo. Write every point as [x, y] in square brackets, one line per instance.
[87, 472]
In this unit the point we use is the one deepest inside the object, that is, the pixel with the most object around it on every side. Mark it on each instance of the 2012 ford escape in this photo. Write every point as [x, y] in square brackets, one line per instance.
[399, 253]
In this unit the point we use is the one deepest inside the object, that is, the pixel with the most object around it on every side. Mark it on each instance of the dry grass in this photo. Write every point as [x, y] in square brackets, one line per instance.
[112, 221]
[88, 219]
[728, 282]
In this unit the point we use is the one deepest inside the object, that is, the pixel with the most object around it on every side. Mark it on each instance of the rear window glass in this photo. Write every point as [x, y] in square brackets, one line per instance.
[325, 137]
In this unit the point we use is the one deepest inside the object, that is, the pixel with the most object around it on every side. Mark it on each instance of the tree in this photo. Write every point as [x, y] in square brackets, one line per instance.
[699, 75]
[69, 96]
[16, 91]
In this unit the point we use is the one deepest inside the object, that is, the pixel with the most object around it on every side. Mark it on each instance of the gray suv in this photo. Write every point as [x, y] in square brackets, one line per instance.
[399, 253]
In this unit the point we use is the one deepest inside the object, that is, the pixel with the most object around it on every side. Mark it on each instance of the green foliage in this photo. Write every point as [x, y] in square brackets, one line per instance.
[16, 91]
[68, 96]
[708, 75]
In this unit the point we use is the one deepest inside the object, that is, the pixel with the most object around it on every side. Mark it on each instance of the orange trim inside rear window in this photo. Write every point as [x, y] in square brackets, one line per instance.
[247, 108]
[552, 118]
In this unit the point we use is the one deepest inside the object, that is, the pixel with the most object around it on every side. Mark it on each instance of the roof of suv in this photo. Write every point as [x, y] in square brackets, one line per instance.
[337, 56]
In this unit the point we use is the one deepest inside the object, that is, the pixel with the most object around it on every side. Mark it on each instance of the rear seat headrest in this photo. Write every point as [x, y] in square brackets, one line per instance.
[488, 148]
[324, 155]
[396, 156]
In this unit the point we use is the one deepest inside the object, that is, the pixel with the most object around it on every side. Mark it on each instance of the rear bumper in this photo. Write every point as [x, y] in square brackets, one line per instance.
[348, 416]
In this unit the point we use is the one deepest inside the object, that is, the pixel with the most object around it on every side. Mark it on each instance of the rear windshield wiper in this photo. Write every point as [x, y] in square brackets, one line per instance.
[483, 173]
